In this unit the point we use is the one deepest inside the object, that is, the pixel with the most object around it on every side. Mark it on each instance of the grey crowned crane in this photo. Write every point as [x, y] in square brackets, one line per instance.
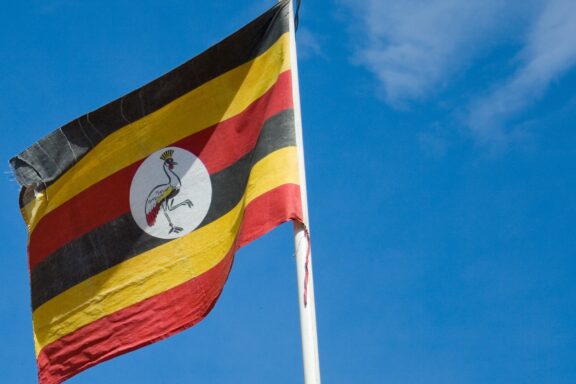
[162, 196]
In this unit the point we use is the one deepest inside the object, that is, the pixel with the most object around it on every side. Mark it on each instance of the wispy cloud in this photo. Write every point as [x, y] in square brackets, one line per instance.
[413, 46]
[549, 51]
[417, 48]
[308, 44]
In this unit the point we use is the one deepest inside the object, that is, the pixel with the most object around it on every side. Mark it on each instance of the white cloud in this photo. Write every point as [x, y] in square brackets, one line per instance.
[415, 46]
[308, 44]
[549, 51]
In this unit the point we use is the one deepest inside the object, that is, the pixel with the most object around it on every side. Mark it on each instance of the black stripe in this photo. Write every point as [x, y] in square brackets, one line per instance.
[41, 164]
[121, 239]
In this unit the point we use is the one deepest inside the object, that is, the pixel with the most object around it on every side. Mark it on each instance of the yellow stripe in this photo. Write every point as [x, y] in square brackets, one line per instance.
[34, 210]
[213, 101]
[160, 268]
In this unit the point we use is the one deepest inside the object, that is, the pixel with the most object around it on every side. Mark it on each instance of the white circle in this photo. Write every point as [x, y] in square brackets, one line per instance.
[179, 189]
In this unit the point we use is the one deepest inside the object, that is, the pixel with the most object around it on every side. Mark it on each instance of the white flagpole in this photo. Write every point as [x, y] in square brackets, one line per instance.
[302, 238]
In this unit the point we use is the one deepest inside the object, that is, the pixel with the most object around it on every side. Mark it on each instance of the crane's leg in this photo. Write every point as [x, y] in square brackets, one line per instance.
[173, 228]
[172, 207]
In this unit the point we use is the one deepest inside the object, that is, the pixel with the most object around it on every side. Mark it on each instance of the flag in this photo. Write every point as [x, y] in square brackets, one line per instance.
[135, 210]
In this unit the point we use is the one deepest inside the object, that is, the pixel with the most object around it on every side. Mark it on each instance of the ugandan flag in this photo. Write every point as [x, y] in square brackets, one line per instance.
[135, 210]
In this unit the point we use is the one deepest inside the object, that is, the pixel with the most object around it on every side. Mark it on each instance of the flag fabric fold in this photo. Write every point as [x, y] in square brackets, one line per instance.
[135, 210]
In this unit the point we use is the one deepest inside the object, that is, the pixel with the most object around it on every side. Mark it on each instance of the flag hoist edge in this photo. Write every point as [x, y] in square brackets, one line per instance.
[214, 140]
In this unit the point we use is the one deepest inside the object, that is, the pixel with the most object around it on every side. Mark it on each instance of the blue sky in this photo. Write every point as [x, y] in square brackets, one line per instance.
[440, 142]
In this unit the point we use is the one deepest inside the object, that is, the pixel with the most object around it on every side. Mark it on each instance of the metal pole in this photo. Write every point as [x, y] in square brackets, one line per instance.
[301, 238]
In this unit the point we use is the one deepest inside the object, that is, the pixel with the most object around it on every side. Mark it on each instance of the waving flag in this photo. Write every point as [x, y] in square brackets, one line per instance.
[135, 210]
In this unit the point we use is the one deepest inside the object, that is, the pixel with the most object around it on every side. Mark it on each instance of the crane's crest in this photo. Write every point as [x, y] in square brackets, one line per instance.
[167, 155]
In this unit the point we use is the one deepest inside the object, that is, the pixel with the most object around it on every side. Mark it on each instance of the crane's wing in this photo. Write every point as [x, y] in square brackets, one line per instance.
[154, 202]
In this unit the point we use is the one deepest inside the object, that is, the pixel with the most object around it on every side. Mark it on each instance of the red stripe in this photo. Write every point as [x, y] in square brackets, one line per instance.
[168, 313]
[269, 210]
[218, 147]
